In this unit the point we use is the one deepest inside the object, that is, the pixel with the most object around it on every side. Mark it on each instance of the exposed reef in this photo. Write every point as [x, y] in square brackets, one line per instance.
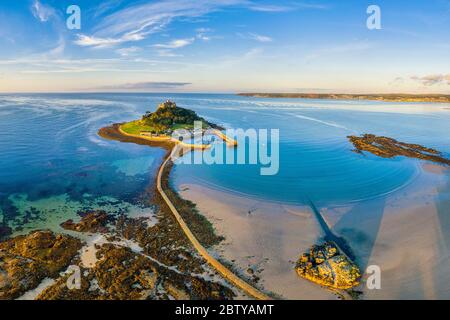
[121, 274]
[133, 261]
[327, 266]
[93, 221]
[26, 260]
[388, 148]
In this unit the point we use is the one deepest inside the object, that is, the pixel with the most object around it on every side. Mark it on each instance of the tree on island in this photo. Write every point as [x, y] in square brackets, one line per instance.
[167, 115]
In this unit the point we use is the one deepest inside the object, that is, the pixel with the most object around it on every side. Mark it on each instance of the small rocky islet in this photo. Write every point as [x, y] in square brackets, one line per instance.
[386, 147]
[325, 265]
[91, 221]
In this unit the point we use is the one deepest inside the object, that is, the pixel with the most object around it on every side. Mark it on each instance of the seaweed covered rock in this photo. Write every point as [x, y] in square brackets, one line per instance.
[121, 274]
[92, 221]
[26, 260]
[386, 147]
[325, 265]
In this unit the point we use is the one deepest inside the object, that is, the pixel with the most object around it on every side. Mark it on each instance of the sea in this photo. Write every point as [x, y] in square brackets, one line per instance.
[54, 165]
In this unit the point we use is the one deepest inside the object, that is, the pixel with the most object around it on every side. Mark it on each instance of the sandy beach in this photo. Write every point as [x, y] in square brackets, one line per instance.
[401, 233]
[269, 239]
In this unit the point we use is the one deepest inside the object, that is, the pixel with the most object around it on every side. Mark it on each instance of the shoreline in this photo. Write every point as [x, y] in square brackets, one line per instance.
[426, 98]
[402, 233]
[164, 201]
[263, 239]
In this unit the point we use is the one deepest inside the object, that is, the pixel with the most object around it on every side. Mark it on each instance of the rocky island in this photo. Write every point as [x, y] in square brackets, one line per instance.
[386, 147]
[167, 118]
[327, 266]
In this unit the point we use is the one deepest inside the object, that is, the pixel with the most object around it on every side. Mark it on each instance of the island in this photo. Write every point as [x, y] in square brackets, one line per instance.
[160, 256]
[156, 129]
[169, 119]
[391, 97]
[386, 147]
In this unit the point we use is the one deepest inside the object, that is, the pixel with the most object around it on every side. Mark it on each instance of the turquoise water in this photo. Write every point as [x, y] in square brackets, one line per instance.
[316, 159]
[50, 150]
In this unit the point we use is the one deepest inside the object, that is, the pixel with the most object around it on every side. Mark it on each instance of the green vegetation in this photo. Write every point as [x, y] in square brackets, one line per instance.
[167, 118]
[135, 127]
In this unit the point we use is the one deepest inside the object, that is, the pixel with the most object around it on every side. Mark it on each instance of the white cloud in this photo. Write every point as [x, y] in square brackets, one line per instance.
[260, 38]
[255, 36]
[204, 30]
[96, 42]
[175, 44]
[433, 79]
[269, 8]
[58, 50]
[204, 34]
[168, 54]
[138, 21]
[42, 11]
[150, 85]
[124, 52]
[284, 8]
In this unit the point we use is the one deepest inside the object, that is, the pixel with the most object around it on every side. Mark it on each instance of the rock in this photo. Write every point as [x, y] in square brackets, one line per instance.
[26, 260]
[92, 221]
[175, 292]
[386, 147]
[121, 274]
[325, 265]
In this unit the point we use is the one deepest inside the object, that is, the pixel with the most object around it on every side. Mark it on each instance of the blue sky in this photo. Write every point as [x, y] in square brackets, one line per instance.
[225, 46]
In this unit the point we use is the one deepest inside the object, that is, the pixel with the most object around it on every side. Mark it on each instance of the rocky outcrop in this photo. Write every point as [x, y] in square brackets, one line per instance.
[26, 260]
[388, 148]
[325, 265]
[121, 274]
[92, 221]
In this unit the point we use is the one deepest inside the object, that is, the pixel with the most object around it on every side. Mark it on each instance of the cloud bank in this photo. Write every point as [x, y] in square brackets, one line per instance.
[433, 79]
[150, 85]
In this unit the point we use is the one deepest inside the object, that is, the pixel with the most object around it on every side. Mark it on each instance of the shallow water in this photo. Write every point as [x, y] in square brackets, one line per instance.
[50, 149]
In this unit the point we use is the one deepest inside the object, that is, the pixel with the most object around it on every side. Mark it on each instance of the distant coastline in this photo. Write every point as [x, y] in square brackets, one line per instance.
[392, 97]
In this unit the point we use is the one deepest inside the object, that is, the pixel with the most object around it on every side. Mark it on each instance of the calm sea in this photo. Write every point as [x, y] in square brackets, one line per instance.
[53, 164]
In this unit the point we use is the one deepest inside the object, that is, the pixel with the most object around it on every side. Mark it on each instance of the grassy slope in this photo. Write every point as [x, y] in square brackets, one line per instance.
[135, 127]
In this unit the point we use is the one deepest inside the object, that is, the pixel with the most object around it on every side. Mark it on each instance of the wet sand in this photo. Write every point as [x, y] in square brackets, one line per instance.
[269, 238]
[406, 233]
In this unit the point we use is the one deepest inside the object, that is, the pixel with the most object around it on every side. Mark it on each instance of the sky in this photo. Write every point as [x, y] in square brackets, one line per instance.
[220, 46]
